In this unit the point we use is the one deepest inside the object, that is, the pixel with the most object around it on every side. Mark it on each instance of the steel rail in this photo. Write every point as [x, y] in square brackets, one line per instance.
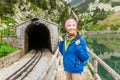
[29, 65]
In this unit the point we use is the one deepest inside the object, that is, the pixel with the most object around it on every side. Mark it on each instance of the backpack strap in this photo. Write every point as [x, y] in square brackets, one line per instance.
[78, 35]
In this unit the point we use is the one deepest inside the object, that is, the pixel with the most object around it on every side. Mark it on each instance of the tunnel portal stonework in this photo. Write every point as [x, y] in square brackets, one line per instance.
[37, 34]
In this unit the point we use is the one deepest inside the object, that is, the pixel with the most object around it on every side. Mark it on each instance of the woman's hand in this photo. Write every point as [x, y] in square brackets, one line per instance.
[60, 39]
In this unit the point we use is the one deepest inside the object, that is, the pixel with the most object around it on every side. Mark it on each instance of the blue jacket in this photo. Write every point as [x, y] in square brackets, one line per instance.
[75, 57]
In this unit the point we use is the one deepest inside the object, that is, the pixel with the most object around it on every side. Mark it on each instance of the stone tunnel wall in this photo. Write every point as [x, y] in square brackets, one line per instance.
[20, 32]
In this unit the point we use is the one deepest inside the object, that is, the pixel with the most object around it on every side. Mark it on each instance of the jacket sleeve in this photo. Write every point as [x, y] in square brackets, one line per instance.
[81, 51]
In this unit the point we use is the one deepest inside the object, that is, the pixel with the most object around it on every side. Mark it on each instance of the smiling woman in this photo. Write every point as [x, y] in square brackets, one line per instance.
[73, 48]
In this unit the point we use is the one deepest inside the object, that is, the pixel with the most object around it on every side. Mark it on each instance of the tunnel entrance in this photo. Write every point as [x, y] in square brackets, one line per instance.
[37, 37]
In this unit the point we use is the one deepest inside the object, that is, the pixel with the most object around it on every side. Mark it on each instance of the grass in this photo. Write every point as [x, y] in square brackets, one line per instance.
[6, 49]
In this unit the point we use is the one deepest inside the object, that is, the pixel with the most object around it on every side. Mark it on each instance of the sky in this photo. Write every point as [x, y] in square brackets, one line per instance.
[68, 1]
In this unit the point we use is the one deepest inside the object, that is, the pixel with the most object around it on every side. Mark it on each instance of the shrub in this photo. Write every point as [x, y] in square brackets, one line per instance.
[5, 49]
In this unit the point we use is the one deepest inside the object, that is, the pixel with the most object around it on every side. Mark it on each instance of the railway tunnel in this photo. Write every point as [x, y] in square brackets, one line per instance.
[37, 34]
[38, 37]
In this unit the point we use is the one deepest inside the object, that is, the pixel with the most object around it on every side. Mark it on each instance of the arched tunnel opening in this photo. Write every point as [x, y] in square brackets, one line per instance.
[38, 37]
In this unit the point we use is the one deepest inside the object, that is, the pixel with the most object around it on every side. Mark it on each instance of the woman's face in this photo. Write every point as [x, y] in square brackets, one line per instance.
[71, 29]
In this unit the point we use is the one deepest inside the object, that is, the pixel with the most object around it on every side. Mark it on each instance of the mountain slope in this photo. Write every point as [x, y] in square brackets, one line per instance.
[112, 22]
[112, 19]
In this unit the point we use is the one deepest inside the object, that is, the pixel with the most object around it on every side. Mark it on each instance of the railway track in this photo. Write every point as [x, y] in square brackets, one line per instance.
[22, 72]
